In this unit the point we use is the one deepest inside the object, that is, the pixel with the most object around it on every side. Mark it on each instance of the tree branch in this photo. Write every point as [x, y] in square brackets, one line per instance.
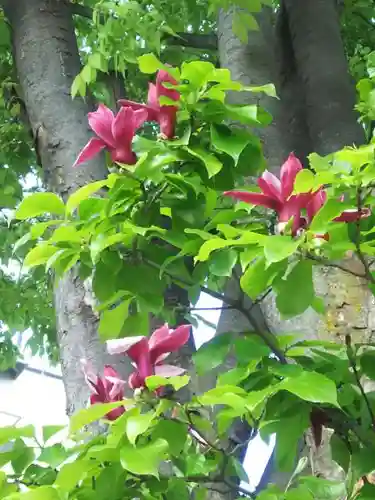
[193, 40]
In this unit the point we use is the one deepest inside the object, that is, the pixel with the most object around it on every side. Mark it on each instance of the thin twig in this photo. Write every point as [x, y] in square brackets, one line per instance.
[267, 337]
[325, 263]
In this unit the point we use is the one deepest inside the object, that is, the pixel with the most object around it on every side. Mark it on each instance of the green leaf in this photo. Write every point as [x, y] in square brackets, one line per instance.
[22, 456]
[177, 382]
[40, 204]
[228, 141]
[367, 361]
[330, 210]
[9, 433]
[313, 387]
[212, 354]
[175, 433]
[51, 430]
[78, 86]
[137, 424]
[112, 320]
[40, 493]
[39, 255]
[82, 194]
[54, 455]
[257, 277]
[216, 243]
[149, 63]
[305, 181]
[212, 164]
[98, 61]
[324, 489]
[144, 459]
[277, 248]
[71, 474]
[250, 114]
[90, 415]
[298, 284]
[222, 262]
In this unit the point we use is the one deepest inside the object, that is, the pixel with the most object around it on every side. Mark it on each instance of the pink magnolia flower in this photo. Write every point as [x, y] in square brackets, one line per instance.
[277, 193]
[148, 354]
[106, 389]
[163, 114]
[350, 215]
[114, 133]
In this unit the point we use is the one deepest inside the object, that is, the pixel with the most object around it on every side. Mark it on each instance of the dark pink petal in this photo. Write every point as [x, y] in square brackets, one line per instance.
[94, 399]
[164, 77]
[135, 381]
[124, 155]
[100, 122]
[315, 204]
[114, 385]
[121, 346]
[291, 208]
[270, 185]
[167, 120]
[92, 148]
[89, 373]
[288, 174]
[255, 199]
[353, 215]
[168, 370]
[115, 413]
[152, 97]
[151, 112]
[140, 354]
[159, 335]
[171, 343]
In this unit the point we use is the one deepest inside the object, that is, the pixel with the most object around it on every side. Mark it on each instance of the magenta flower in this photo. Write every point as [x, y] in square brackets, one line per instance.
[148, 354]
[277, 194]
[106, 389]
[114, 133]
[163, 114]
[350, 215]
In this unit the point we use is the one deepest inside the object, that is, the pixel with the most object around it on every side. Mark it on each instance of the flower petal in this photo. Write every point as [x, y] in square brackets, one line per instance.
[171, 343]
[164, 77]
[151, 112]
[158, 335]
[92, 148]
[270, 185]
[258, 199]
[152, 97]
[90, 375]
[315, 204]
[121, 346]
[288, 173]
[135, 381]
[167, 121]
[100, 122]
[115, 413]
[168, 370]
[352, 215]
[140, 354]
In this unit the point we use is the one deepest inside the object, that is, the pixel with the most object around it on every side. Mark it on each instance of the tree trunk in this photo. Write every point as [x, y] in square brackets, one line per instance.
[329, 93]
[47, 60]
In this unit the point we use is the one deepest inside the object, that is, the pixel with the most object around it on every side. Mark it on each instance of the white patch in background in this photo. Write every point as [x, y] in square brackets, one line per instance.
[258, 452]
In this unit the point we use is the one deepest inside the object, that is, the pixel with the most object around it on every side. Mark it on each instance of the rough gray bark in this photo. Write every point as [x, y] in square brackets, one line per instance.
[323, 69]
[47, 60]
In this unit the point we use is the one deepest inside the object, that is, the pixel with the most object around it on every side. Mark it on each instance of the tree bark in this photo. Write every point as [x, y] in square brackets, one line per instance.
[329, 93]
[47, 60]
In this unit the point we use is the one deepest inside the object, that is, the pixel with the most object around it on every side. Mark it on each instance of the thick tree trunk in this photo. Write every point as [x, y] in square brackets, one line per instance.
[323, 69]
[47, 60]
